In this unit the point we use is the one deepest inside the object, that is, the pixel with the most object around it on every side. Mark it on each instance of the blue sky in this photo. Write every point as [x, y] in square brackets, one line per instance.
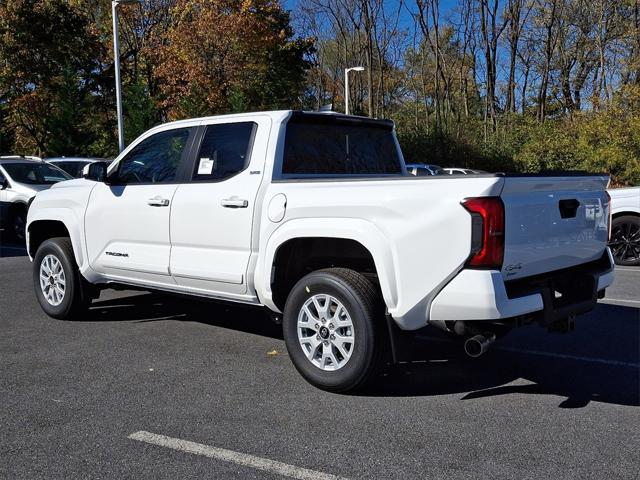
[445, 7]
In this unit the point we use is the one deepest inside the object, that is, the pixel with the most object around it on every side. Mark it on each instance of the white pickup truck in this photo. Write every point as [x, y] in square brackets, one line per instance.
[314, 217]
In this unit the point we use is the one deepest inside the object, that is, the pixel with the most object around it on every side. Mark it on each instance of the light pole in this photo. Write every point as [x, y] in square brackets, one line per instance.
[116, 66]
[346, 86]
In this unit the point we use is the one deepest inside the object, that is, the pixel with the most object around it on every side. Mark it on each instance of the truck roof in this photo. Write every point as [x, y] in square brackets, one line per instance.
[280, 115]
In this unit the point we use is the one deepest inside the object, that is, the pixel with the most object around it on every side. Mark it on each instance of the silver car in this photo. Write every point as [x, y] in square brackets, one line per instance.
[73, 165]
[20, 179]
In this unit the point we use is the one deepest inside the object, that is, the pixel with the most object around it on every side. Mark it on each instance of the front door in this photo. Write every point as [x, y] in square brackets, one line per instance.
[127, 219]
[212, 215]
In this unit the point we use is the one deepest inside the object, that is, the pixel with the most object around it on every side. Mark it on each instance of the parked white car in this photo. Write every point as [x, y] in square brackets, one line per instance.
[20, 179]
[315, 217]
[462, 171]
[625, 228]
[422, 169]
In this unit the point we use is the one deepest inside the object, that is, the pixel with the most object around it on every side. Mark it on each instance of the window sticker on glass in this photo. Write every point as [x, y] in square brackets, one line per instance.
[206, 166]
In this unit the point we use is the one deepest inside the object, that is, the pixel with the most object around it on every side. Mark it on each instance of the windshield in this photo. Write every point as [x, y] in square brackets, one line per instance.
[34, 173]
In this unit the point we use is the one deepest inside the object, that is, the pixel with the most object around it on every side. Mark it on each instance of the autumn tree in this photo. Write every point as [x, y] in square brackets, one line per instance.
[229, 55]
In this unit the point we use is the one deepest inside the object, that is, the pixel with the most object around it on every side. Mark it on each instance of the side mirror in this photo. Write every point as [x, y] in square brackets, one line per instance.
[96, 171]
[4, 183]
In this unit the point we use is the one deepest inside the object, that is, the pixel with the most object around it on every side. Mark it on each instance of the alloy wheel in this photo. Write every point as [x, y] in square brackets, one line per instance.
[625, 242]
[52, 280]
[325, 332]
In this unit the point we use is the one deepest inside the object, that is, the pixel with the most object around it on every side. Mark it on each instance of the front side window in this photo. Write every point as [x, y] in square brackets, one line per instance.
[155, 159]
[35, 173]
[333, 147]
[225, 151]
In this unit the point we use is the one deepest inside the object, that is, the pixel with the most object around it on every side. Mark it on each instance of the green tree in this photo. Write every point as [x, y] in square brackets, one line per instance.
[49, 59]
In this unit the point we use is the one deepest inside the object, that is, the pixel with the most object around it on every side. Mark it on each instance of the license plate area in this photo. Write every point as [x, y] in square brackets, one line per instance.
[565, 293]
[570, 289]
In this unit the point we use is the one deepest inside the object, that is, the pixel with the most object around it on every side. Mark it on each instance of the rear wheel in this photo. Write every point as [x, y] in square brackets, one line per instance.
[625, 240]
[57, 281]
[332, 330]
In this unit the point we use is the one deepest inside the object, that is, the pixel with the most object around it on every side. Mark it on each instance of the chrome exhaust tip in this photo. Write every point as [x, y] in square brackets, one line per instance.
[478, 344]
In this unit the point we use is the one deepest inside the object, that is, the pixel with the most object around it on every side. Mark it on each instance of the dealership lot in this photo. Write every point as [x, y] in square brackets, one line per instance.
[121, 394]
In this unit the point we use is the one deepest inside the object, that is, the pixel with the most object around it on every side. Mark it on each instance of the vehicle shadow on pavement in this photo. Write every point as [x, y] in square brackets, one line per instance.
[598, 362]
[150, 307]
[11, 249]
[504, 373]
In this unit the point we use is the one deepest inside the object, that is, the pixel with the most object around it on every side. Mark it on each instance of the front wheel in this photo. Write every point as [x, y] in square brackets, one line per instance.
[625, 240]
[332, 329]
[57, 281]
[18, 224]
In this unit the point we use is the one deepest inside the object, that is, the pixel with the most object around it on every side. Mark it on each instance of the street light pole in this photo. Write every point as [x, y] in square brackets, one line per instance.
[116, 66]
[346, 86]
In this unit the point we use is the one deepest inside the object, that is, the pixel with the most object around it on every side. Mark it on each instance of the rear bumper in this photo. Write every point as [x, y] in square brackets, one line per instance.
[484, 295]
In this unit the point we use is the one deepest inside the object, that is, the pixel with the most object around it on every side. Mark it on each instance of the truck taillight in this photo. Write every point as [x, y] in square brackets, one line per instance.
[487, 232]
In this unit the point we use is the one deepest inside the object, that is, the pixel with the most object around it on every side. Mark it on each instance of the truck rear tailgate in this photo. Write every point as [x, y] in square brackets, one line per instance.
[553, 223]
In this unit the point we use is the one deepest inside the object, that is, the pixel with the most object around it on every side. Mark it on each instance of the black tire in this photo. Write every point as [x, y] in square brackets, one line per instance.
[625, 240]
[74, 301]
[18, 223]
[361, 299]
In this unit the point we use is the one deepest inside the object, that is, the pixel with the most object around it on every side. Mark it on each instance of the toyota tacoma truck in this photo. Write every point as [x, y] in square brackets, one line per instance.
[315, 217]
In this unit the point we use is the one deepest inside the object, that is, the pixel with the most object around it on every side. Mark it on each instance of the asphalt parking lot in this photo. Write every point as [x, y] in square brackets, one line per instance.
[122, 394]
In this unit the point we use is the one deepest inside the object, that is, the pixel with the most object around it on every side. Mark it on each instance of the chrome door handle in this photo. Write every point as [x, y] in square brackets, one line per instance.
[158, 202]
[234, 202]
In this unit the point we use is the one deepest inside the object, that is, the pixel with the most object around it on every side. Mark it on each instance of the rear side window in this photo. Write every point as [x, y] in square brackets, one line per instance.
[225, 151]
[72, 168]
[334, 148]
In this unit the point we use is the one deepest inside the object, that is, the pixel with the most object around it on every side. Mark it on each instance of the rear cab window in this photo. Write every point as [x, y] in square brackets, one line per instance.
[327, 146]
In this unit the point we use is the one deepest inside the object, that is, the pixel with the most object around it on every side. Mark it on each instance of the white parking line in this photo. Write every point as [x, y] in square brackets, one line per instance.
[619, 300]
[244, 459]
[636, 270]
[540, 353]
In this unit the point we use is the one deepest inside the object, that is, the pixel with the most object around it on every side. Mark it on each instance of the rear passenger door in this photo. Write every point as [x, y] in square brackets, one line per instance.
[212, 215]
